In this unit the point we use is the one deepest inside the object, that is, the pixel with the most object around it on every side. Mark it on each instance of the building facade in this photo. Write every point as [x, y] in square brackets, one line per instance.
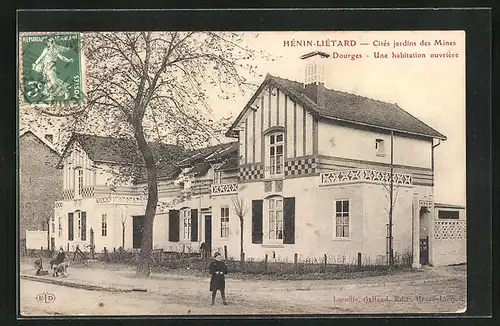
[311, 168]
[39, 184]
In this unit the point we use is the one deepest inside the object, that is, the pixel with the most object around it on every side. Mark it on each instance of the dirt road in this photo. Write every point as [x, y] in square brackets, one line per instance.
[443, 291]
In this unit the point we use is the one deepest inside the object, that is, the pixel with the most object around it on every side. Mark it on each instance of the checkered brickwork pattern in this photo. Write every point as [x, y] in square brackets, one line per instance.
[68, 194]
[88, 192]
[251, 172]
[301, 166]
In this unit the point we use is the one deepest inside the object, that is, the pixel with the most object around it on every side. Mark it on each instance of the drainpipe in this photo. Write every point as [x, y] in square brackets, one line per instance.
[430, 244]
[432, 160]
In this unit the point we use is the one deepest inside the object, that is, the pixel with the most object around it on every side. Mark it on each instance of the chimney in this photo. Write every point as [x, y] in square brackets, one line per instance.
[49, 138]
[314, 85]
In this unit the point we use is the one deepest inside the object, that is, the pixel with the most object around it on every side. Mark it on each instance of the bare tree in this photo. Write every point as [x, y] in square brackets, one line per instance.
[240, 209]
[150, 86]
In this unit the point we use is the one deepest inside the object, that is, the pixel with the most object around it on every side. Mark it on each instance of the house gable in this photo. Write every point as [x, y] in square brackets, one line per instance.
[273, 109]
[26, 132]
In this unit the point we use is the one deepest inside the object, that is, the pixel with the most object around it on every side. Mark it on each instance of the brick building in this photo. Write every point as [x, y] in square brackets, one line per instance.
[39, 181]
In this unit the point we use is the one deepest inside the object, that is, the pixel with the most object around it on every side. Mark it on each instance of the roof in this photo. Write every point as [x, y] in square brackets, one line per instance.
[342, 106]
[199, 169]
[122, 150]
[27, 130]
[230, 164]
[441, 205]
[214, 153]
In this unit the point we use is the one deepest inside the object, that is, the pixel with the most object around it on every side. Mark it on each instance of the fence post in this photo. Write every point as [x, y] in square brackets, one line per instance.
[225, 252]
[265, 263]
[295, 260]
[325, 262]
[359, 259]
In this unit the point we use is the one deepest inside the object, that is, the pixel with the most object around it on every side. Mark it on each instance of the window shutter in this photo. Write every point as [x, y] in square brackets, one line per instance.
[173, 225]
[70, 226]
[289, 220]
[257, 221]
[84, 226]
[194, 225]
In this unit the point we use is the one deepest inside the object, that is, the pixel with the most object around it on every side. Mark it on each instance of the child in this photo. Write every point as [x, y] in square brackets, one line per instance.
[218, 269]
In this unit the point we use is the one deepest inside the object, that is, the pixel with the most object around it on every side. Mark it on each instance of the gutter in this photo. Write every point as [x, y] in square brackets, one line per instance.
[432, 159]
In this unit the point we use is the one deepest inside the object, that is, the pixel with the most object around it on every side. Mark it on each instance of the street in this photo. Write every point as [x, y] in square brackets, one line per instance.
[443, 291]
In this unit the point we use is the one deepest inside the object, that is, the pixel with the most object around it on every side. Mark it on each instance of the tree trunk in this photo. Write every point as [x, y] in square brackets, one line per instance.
[241, 241]
[123, 235]
[143, 266]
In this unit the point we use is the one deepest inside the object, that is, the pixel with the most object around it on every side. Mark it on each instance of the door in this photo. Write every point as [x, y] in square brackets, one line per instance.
[208, 234]
[424, 251]
[137, 228]
[52, 243]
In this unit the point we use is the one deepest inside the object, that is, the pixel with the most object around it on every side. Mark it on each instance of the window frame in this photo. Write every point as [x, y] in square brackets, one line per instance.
[272, 146]
[380, 147]
[343, 224]
[224, 222]
[79, 181]
[104, 225]
[217, 179]
[60, 229]
[78, 234]
[448, 211]
[186, 223]
[271, 213]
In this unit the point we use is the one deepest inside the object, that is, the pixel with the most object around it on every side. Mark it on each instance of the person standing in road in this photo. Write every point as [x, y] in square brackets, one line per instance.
[218, 269]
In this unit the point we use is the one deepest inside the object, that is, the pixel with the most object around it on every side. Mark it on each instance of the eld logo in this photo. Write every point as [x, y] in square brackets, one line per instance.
[45, 298]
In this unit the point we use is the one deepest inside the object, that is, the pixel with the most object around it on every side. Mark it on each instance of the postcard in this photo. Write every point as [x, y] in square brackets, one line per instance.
[169, 173]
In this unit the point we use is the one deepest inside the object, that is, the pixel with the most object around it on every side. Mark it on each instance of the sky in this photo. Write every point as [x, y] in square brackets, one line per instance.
[431, 89]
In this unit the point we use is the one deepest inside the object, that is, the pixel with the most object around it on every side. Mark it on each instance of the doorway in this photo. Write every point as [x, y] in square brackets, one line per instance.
[424, 235]
[137, 229]
[208, 234]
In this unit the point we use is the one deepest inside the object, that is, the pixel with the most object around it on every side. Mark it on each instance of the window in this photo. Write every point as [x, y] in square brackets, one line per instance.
[224, 222]
[276, 144]
[342, 218]
[186, 217]
[379, 147]
[78, 225]
[104, 225]
[275, 208]
[217, 177]
[60, 227]
[448, 214]
[79, 181]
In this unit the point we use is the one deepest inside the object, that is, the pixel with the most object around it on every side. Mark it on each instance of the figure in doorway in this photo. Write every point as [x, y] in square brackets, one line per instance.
[218, 270]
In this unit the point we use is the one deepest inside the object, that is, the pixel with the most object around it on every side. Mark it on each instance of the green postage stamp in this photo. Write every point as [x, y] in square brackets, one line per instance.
[51, 66]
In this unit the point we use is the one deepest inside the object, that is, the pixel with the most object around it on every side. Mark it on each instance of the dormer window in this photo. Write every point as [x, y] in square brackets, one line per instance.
[217, 174]
[276, 152]
[79, 181]
[217, 177]
[379, 147]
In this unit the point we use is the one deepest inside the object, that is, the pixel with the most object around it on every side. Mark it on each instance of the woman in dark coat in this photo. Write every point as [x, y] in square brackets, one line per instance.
[218, 269]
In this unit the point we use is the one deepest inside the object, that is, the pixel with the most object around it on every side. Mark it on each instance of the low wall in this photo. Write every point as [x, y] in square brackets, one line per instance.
[36, 239]
[450, 242]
